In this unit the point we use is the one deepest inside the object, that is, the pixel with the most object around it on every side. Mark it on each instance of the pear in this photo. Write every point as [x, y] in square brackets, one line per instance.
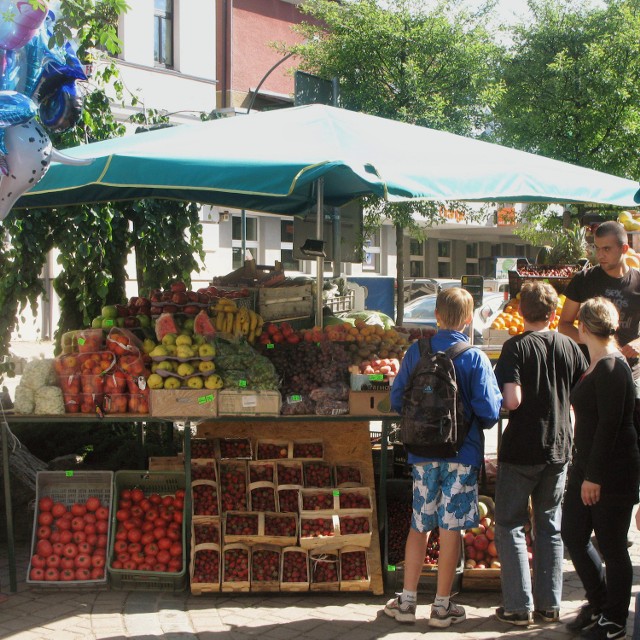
[183, 339]
[155, 381]
[206, 350]
[148, 345]
[169, 338]
[172, 383]
[171, 349]
[213, 381]
[167, 365]
[206, 366]
[185, 369]
[195, 382]
[159, 352]
[199, 339]
[184, 351]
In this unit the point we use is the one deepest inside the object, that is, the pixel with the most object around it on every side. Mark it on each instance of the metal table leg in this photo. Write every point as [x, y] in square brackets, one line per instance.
[8, 507]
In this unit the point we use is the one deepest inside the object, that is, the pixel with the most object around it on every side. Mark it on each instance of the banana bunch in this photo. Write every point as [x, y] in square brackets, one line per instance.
[238, 321]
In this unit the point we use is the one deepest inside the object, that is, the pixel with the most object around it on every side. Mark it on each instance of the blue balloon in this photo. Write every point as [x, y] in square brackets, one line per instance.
[15, 108]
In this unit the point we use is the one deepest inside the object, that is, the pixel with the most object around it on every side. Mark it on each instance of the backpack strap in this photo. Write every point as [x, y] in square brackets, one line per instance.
[424, 346]
[458, 349]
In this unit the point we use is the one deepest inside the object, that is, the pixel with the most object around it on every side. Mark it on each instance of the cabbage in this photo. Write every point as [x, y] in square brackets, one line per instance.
[371, 317]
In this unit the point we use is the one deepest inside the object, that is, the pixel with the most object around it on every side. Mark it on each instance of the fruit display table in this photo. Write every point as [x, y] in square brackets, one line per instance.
[346, 438]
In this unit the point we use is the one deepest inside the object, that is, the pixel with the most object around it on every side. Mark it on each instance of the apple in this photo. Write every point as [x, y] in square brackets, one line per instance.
[468, 538]
[481, 543]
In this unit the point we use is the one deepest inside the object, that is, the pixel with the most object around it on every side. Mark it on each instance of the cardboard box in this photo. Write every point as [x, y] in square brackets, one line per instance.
[369, 403]
[232, 402]
[495, 337]
[183, 403]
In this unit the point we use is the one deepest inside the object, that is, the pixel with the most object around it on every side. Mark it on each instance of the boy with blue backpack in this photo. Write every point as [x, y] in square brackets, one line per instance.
[445, 487]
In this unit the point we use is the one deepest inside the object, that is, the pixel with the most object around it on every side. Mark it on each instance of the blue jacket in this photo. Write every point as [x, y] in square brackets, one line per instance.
[478, 387]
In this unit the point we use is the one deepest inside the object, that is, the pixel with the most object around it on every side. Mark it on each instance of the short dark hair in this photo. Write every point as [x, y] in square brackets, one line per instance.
[538, 300]
[612, 228]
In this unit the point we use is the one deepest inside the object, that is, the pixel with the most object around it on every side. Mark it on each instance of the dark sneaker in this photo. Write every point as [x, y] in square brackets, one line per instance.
[523, 619]
[547, 615]
[586, 618]
[604, 629]
[401, 611]
[442, 618]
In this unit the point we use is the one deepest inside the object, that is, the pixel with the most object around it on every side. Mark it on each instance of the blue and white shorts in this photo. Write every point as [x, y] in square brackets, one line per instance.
[445, 495]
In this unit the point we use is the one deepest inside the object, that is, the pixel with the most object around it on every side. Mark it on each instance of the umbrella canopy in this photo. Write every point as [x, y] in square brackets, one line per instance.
[271, 161]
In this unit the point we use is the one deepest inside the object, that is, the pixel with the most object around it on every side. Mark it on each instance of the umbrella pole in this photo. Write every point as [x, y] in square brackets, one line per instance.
[319, 259]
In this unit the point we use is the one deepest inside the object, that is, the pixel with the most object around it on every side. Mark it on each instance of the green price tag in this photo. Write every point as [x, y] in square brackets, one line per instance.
[270, 345]
[81, 341]
[317, 344]
[205, 399]
[68, 474]
[295, 398]
[242, 383]
[336, 492]
[391, 567]
[376, 377]
[108, 322]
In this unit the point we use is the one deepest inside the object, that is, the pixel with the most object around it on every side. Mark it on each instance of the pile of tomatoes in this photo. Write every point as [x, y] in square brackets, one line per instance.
[70, 541]
[148, 534]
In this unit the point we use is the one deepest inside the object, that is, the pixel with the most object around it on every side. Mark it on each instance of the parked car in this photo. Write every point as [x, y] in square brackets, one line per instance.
[417, 287]
[421, 313]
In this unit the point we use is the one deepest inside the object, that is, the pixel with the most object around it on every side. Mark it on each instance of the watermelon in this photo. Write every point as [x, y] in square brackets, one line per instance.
[165, 323]
[202, 325]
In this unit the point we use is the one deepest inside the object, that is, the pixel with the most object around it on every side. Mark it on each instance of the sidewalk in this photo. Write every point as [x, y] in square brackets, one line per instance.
[60, 614]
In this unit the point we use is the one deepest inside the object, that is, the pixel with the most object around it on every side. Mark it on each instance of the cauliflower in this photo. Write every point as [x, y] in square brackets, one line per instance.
[49, 401]
[24, 401]
[38, 373]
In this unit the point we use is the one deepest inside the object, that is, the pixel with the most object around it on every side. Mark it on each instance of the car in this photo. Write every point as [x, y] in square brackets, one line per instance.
[421, 313]
[417, 287]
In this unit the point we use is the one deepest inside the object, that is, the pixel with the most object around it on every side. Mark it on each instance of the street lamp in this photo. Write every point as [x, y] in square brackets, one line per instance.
[264, 77]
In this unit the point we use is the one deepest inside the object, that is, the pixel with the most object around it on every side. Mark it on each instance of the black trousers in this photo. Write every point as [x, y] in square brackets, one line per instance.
[607, 588]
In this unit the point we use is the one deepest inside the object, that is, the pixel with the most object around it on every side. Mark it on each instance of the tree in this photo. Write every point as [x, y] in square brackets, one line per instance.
[427, 66]
[572, 85]
[94, 241]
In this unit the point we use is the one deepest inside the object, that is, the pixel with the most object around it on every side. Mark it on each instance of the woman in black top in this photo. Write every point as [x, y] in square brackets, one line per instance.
[604, 476]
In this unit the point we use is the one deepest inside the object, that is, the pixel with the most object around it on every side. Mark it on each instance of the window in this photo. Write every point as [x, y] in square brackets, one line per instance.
[444, 249]
[163, 32]
[371, 260]
[416, 248]
[416, 269]
[472, 249]
[251, 239]
[472, 263]
[286, 241]
[444, 269]
[444, 258]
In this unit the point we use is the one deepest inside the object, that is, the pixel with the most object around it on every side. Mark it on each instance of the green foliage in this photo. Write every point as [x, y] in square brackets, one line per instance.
[572, 85]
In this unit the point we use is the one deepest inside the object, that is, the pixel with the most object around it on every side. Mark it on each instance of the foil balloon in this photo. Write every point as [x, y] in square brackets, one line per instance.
[20, 22]
[15, 109]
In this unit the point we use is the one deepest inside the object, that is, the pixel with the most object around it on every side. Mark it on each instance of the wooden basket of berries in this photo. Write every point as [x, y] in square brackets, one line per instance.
[241, 526]
[280, 529]
[325, 570]
[356, 500]
[294, 571]
[236, 567]
[203, 448]
[355, 574]
[205, 498]
[289, 472]
[262, 496]
[347, 474]
[274, 449]
[265, 568]
[317, 474]
[234, 449]
[262, 471]
[354, 528]
[288, 498]
[204, 469]
[204, 571]
[317, 502]
[233, 485]
[205, 530]
[308, 449]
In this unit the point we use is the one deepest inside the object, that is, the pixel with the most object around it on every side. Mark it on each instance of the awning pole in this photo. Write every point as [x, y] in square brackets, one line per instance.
[319, 259]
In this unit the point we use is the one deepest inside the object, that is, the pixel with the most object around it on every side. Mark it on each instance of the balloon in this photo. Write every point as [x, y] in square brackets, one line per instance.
[29, 155]
[61, 110]
[15, 108]
[20, 22]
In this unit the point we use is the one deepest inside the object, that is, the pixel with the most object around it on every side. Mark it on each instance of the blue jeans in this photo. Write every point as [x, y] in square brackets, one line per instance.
[544, 483]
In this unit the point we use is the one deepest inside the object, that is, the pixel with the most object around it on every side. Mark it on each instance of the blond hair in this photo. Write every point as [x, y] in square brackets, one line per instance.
[600, 316]
[454, 307]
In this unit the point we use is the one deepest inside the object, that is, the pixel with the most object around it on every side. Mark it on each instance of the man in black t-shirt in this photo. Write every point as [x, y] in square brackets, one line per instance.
[612, 279]
[536, 371]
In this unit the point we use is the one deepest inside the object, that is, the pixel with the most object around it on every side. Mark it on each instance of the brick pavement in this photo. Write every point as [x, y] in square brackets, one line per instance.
[88, 614]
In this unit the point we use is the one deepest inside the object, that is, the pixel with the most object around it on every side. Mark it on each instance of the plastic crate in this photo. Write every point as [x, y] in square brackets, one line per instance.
[164, 483]
[69, 487]
[559, 283]
[338, 304]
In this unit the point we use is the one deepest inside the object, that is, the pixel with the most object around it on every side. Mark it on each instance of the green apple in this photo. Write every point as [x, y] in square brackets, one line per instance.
[195, 383]
[172, 383]
[109, 311]
[185, 369]
[155, 381]
[169, 338]
[206, 350]
[109, 323]
[206, 366]
[199, 339]
[144, 320]
[187, 325]
[96, 323]
[183, 339]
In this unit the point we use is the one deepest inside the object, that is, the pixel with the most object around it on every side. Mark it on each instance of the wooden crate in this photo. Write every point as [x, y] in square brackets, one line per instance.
[481, 579]
[495, 337]
[369, 403]
[238, 402]
[285, 303]
[182, 403]
[260, 535]
[166, 463]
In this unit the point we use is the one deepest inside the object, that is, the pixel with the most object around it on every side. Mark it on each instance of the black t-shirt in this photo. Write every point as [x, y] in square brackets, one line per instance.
[623, 292]
[606, 440]
[546, 365]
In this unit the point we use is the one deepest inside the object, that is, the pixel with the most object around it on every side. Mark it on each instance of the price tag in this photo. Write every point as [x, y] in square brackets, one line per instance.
[108, 322]
[376, 377]
[293, 399]
[68, 474]
[391, 567]
[81, 341]
[205, 399]
[270, 345]
[242, 383]
[336, 492]
[249, 401]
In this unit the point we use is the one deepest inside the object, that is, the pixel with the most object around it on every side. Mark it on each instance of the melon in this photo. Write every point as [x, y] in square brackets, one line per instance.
[202, 325]
[165, 324]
